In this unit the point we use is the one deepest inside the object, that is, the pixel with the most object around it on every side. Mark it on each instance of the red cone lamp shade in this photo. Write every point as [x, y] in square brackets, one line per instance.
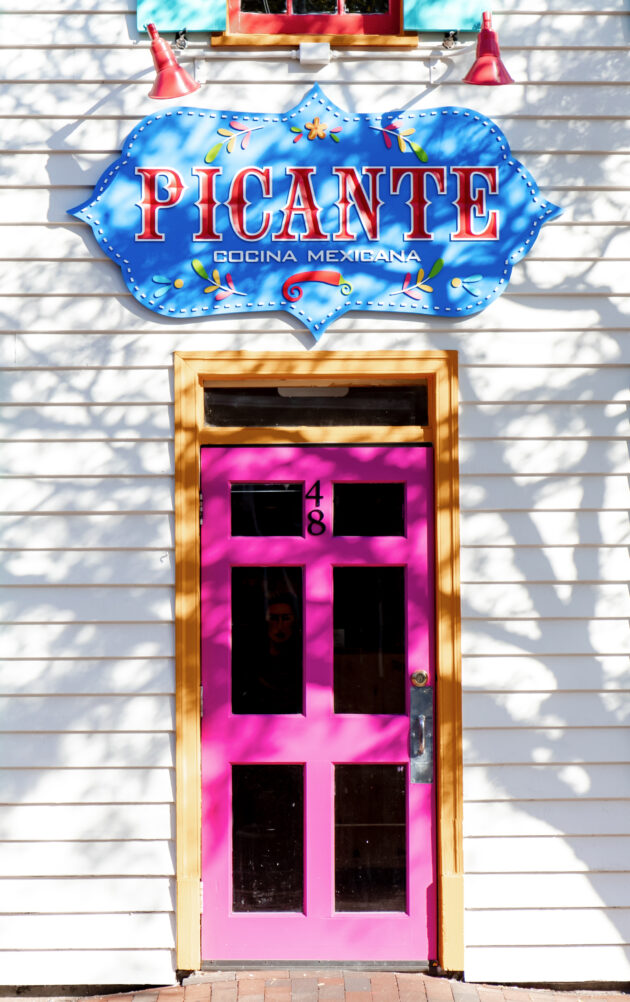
[487, 69]
[172, 80]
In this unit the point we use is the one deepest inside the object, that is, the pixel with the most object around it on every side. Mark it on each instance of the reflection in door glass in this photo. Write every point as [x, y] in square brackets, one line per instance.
[369, 639]
[368, 509]
[267, 640]
[266, 509]
[370, 838]
[268, 838]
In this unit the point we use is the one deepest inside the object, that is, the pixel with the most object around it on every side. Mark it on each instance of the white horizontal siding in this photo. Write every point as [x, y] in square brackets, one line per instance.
[549, 927]
[71, 383]
[519, 672]
[478, 372]
[510, 964]
[86, 822]
[547, 709]
[88, 967]
[90, 458]
[87, 571]
[543, 456]
[107, 531]
[518, 421]
[89, 567]
[533, 601]
[87, 858]
[102, 749]
[93, 494]
[550, 853]
[67, 677]
[84, 713]
[542, 383]
[544, 528]
[82, 895]
[545, 563]
[561, 746]
[531, 820]
[549, 781]
[23, 604]
[86, 786]
[138, 421]
[132, 931]
[509, 492]
[578, 890]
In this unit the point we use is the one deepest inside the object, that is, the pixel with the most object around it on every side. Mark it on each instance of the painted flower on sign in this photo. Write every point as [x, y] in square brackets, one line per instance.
[316, 129]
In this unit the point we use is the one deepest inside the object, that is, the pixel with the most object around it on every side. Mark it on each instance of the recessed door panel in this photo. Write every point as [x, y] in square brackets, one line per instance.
[317, 609]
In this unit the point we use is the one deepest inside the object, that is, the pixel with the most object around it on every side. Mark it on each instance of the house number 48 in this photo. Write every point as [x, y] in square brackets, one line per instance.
[316, 525]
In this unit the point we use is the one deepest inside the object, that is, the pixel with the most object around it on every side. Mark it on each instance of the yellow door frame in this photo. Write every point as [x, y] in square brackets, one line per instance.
[193, 371]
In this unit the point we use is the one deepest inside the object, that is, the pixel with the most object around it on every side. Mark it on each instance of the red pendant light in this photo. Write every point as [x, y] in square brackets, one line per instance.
[487, 69]
[172, 80]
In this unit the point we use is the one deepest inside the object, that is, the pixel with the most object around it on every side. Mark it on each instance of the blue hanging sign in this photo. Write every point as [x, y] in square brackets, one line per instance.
[316, 212]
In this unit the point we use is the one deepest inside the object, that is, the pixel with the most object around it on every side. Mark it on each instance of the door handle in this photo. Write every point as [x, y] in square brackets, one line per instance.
[421, 734]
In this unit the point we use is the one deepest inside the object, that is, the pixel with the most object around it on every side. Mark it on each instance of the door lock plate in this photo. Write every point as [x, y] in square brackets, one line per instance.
[421, 734]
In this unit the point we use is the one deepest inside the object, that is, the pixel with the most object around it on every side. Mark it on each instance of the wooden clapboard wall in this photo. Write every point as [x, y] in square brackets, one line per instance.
[86, 596]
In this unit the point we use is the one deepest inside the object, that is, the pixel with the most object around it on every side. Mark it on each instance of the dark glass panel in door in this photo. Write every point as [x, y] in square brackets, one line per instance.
[368, 509]
[268, 838]
[266, 509]
[370, 838]
[267, 654]
[366, 6]
[314, 6]
[369, 639]
[264, 6]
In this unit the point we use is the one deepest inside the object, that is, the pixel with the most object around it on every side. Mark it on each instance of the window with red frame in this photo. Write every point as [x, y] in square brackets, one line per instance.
[315, 17]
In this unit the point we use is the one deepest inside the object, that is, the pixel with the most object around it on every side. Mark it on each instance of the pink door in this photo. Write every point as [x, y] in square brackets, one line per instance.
[318, 837]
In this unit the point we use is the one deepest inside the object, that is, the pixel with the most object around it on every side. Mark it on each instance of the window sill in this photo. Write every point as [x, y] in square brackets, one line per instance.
[227, 40]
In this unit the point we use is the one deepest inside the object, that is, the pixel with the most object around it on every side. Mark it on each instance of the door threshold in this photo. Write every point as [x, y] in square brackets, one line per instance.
[407, 966]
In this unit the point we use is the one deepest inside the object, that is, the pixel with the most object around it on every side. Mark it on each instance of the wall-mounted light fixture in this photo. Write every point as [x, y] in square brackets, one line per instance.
[487, 69]
[172, 80]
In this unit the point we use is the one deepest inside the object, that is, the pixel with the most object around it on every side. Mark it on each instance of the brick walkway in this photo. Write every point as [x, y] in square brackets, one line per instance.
[345, 986]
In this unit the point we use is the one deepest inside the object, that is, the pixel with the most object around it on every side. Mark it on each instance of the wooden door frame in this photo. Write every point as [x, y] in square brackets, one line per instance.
[194, 370]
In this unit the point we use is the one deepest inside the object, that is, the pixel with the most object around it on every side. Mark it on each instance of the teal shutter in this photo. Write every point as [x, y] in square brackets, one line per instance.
[443, 15]
[173, 15]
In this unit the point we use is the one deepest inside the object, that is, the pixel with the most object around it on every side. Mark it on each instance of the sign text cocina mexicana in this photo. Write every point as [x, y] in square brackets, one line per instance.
[316, 211]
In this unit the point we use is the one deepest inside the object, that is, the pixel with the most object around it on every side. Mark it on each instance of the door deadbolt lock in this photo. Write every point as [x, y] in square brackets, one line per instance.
[419, 679]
